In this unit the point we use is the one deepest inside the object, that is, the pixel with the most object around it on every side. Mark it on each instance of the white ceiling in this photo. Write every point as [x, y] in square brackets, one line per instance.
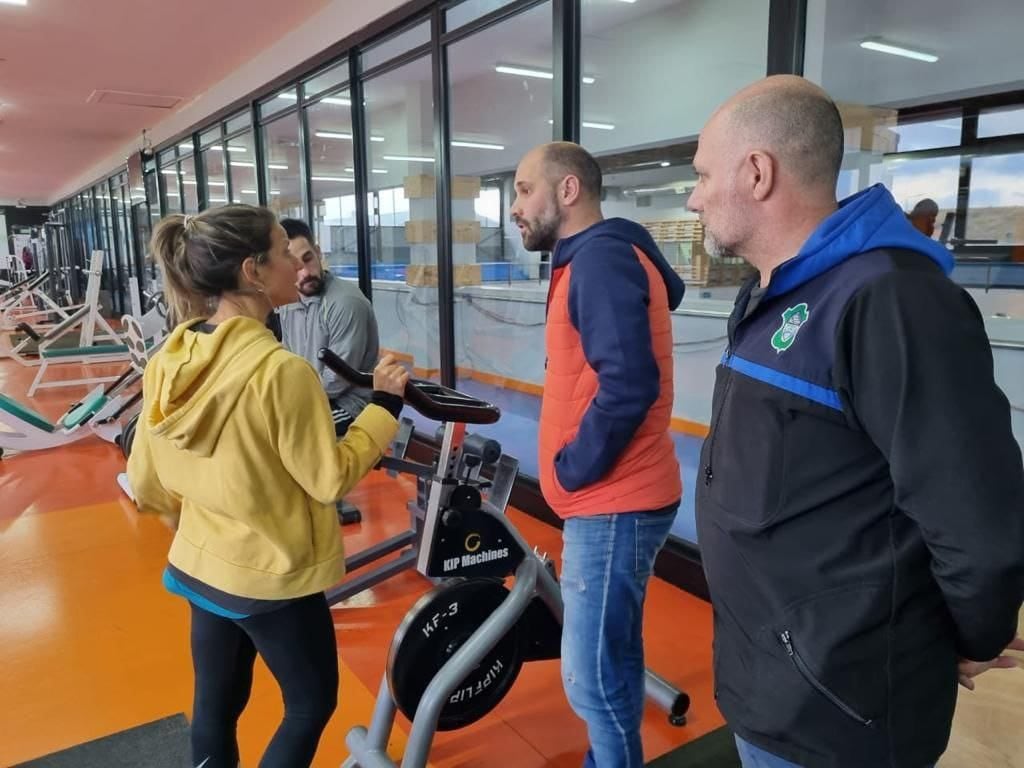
[56, 53]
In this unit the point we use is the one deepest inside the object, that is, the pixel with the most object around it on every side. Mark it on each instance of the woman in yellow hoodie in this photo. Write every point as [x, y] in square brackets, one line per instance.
[236, 443]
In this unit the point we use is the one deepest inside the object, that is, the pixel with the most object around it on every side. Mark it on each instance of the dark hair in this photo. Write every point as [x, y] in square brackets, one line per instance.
[201, 255]
[298, 228]
[563, 158]
[803, 126]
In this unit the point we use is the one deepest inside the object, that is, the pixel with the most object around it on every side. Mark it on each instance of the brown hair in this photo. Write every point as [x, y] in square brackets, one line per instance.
[201, 255]
[563, 158]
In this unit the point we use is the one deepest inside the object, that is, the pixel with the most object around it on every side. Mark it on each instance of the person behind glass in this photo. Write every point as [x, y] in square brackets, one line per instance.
[235, 443]
[922, 216]
[331, 313]
[607, 460]
[860, 498]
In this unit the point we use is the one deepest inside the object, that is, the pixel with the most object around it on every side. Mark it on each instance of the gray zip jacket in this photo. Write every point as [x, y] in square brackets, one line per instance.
[341, 319]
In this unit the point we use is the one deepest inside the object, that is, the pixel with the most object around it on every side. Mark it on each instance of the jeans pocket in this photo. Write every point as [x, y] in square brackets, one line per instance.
[650, 533]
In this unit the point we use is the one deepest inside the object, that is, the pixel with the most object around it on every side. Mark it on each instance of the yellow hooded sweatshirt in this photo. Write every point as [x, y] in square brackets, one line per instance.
[236, 440]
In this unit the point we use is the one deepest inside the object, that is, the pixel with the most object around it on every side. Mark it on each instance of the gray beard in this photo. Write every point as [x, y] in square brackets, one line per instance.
[714, 248]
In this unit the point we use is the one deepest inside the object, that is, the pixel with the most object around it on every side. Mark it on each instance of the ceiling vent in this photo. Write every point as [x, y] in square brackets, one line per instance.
[130, 99]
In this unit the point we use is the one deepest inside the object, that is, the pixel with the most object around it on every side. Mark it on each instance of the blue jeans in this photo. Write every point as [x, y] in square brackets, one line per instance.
[606, 563]
[755, 757]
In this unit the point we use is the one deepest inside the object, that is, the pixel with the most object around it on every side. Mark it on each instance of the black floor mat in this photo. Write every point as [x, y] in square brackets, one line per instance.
[160, 744]
[712, 750]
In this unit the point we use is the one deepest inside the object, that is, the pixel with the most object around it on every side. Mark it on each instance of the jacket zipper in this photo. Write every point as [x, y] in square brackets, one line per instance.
[709, 473]
[806, 673]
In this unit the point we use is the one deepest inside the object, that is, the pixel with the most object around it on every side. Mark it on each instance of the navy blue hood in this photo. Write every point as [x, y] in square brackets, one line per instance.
[867, 221]
[631, 233]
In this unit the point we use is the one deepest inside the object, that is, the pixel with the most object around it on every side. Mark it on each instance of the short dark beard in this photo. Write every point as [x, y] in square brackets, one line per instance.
[311, 286]
[543, 232]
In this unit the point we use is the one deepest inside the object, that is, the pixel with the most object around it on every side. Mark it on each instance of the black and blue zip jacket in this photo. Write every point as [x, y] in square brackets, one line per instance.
[860, 500]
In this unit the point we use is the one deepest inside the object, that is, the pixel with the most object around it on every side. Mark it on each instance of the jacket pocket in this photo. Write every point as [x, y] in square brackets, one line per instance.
[827, 685]
[744, 461]
[808, 675]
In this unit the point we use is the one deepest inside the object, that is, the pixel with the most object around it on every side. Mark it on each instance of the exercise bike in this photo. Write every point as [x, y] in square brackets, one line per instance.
[459, 649]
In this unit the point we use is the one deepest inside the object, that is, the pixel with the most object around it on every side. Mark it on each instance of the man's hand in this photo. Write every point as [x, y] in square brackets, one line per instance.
[968, 670]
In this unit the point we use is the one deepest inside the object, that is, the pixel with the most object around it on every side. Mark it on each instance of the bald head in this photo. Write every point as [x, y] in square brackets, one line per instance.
[795, 121]
[925, 207]
[558, 193]
[923, 216]
[767, 164]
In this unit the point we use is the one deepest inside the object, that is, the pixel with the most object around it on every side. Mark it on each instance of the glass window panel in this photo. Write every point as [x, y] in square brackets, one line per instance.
[167, 156]
[403, 212]
[996, 213]
[643, 125]
[209, 137]
[981, 57]
[281, 168]
[169, 181]
[239, 122]
[470, 10]
[495, 119]
[240, 158]
[152, 196]
[395, 46]
[189, 188]
[631, 101]
[913, 179]
[282, 101]
[1000, 122]
[216, 178]
[927, 133]
[330, 78]
[333, 178]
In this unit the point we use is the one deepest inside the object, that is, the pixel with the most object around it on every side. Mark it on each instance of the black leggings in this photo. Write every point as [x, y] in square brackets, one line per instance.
[298, 645]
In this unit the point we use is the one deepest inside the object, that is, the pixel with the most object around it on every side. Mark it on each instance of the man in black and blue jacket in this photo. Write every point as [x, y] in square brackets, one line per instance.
[860, 499]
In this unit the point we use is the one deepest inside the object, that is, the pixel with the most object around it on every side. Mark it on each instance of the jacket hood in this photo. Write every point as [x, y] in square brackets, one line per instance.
[198, 377]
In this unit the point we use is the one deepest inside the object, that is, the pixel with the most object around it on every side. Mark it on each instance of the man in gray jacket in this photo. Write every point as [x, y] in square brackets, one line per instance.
[331, 313]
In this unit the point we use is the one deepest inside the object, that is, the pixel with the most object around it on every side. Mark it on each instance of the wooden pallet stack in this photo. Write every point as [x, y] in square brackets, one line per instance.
[682, 242]
[421, 230]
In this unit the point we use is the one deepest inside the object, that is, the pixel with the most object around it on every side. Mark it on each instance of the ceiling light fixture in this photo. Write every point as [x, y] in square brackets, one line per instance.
[408, 159]
[541, 74]
[332, 178]
[883, 46]
[597, 126]
[477, 145]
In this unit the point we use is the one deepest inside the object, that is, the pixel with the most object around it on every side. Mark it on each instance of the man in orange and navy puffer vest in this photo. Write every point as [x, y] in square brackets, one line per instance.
[607, 461]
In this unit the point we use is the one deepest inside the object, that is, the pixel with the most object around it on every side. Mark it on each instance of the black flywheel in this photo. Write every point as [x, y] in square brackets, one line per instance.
[432, 631]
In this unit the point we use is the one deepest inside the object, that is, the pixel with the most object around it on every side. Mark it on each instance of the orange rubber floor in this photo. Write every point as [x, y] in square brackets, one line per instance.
[91, 644]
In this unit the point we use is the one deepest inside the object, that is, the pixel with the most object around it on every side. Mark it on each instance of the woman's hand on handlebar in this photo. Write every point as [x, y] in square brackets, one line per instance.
[390, 376]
